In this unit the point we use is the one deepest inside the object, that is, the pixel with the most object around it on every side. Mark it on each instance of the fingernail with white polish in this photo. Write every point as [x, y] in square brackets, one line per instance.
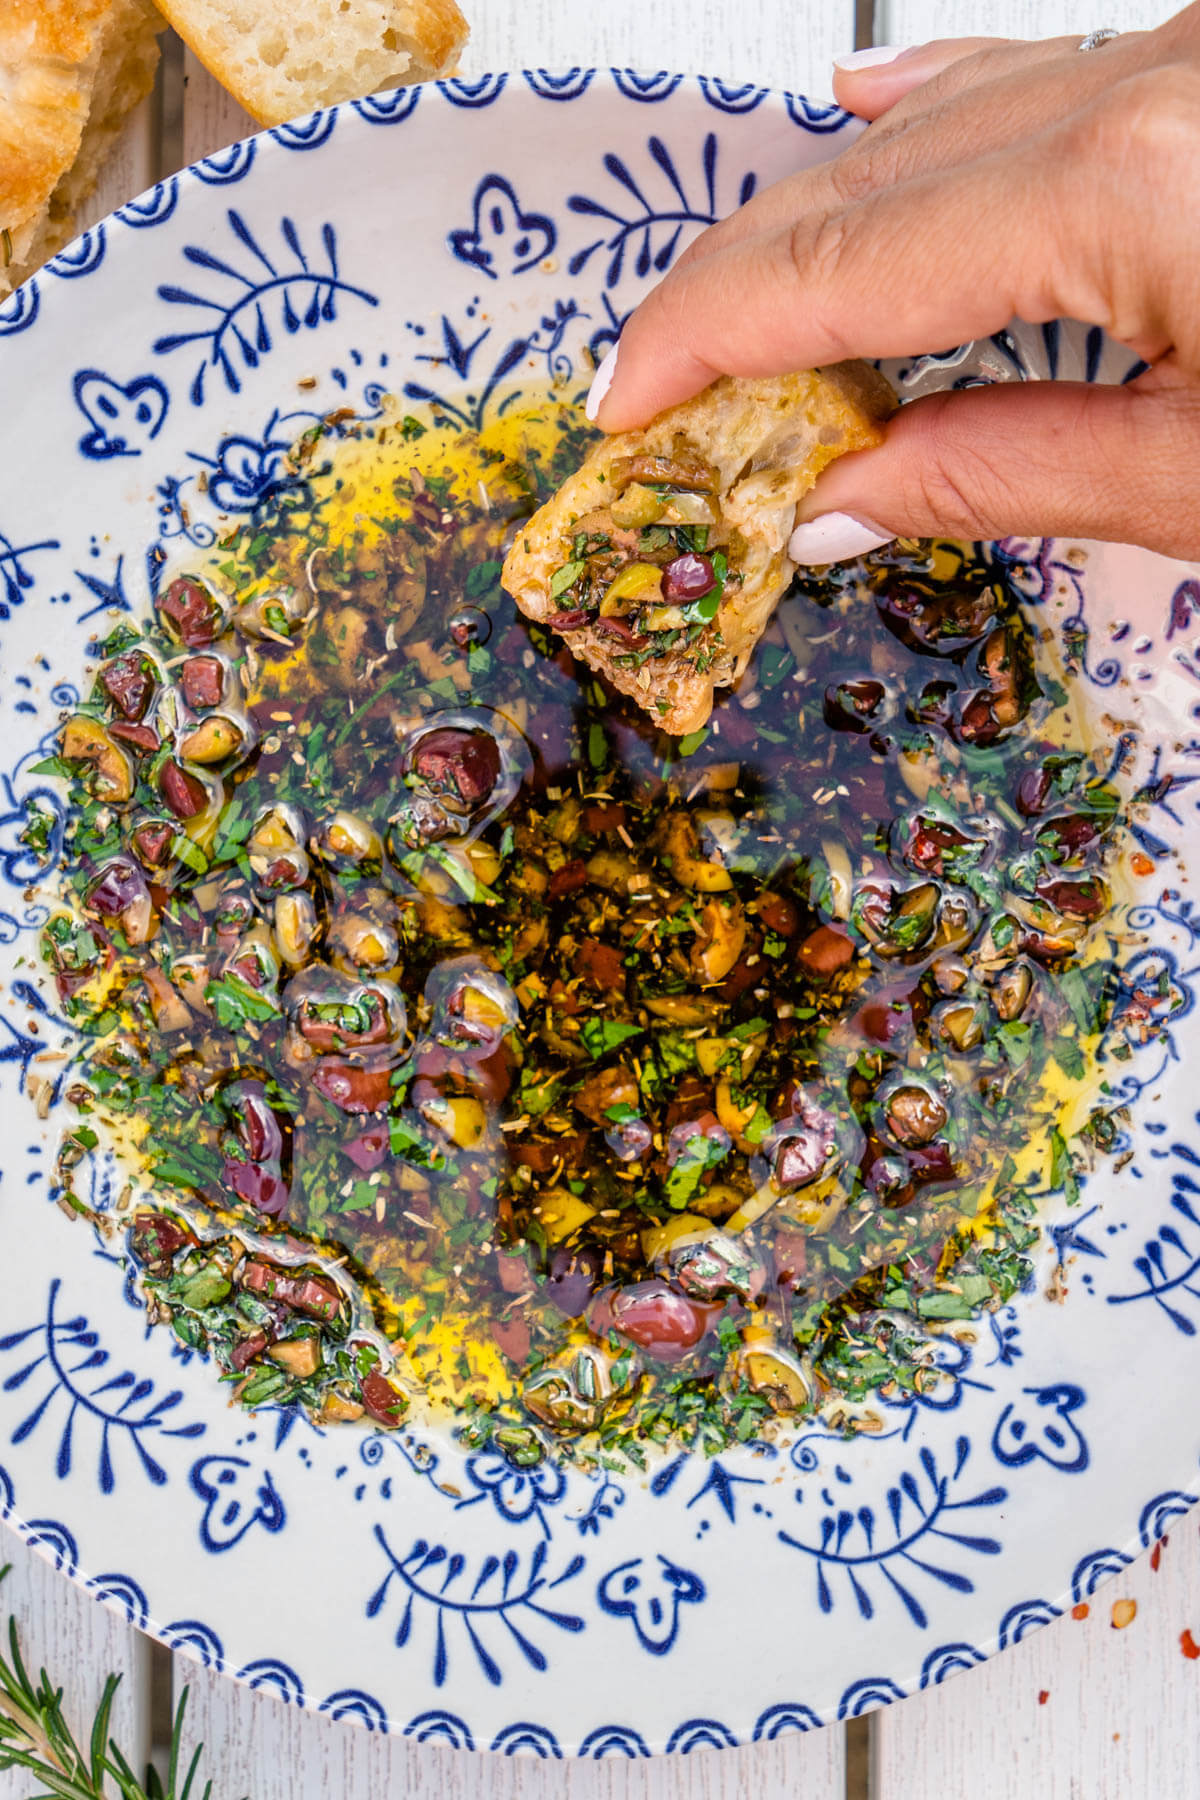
[874, 58]
[834, 537]
[602, 380]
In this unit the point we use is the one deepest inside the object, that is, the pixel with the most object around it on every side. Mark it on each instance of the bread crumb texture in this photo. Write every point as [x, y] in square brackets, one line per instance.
[281, 60]
[70, 72]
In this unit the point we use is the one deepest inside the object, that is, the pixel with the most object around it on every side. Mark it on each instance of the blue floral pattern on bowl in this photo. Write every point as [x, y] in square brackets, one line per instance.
[541, 1612]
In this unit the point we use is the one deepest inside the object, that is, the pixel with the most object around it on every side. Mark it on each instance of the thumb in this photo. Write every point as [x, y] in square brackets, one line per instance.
[1046, 459]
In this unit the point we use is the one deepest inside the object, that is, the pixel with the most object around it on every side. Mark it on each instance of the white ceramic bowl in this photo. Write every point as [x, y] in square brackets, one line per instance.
[437, 241]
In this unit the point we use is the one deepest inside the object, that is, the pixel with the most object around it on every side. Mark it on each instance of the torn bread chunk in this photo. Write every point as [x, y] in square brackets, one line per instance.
[663, 557]
[70, 72]
[284, 60]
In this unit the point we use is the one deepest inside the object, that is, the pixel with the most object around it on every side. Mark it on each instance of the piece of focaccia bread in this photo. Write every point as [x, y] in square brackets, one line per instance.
[282, 60]
[70, 71]
[663, 557]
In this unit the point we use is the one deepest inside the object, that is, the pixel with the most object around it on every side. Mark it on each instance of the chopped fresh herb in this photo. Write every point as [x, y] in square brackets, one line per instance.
[602, 1035]
[564, 578]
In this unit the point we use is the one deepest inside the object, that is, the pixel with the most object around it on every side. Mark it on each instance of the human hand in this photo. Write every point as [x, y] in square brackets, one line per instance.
[998, 180]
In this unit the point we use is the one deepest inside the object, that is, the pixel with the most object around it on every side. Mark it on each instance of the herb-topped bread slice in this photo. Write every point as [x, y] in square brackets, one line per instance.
[663, 557]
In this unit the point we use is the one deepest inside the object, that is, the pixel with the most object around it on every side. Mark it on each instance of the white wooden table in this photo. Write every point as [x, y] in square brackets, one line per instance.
[1082, 1710]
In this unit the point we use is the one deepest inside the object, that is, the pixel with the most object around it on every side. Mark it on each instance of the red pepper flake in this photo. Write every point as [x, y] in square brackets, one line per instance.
[1141, 865]
[1189, 1646]
[1043, 1696]
[1156, 1554]
[1081, 1611]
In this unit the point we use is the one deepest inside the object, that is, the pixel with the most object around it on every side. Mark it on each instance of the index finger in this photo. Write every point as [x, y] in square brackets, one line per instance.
[933, 261]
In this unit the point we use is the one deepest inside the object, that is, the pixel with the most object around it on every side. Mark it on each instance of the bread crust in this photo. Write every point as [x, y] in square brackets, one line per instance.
[318, 52]
[70, 70]
[768, 439]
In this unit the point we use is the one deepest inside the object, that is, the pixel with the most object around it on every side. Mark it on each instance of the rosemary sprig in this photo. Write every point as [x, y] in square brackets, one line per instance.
[35, 1736]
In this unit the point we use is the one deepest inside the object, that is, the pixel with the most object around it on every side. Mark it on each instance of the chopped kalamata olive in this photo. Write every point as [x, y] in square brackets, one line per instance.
[1069, 837]
[779, 914]
[854, 705]
[156, 1238]
[247, 1349]
[542, 1157]
[896, 921]
[934, 846]
[914, 1114]
[715, 1266]
[513, 1271]
[121, 885]
[473, 1008]
[314, 1295]
[805, 1143]
[571, 1278]
[931, 1162]
[233, 911]
[994, 710]
[184, 793]
[355, 1019]
[978, 722]
[383, 1400]
[152, 843]
[656, 1317]
[141, 738]
[621, 628]
[369, 1150]
[1046, 933]
[886, 1019]
[1033, 791]
[629, 1140]
[202, 679]
[469, 625]
[282, 873]
[128, 681]
[888, 1178]
[263, 1189]
[687, 578]
[190, 612]
[253, 960]
[255, 1121]
[511, 1337]
[460, 767]
[1085, 898]
[354, 1089]
[682, 1138]
[933, 620]
[574, 619]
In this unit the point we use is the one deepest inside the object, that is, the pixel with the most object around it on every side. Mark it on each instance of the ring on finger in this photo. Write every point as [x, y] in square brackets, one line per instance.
[1104, 34]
